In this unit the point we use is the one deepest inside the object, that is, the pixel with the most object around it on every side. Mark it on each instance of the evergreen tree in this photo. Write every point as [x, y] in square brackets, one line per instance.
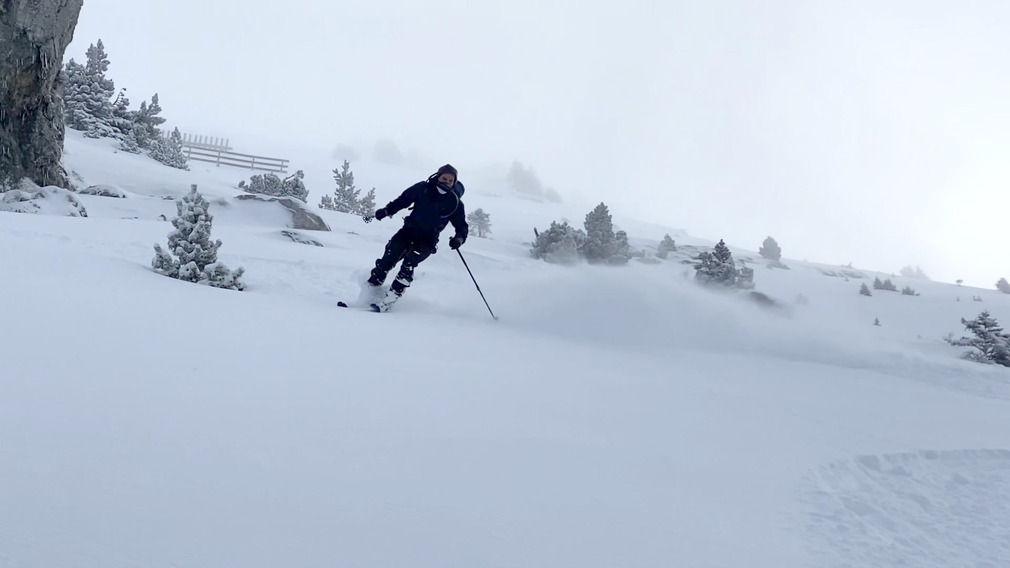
[129, 143]
[191, 255]
[75, 96]
[770, 250]
[992, 343]
[666, 246]
[600, 236]
[366, 205]
[480, 222]
[622, 249]
[97, 66]
[122, 116]
[146, 122]
[168, 151]
[716, 267]
[326, 202]
[865, 290]
[272, 184]
[264, 184]
[345, 197]
[294, 186]
[87, 94]
[885, 285]
[1003, 286]
[560, 244]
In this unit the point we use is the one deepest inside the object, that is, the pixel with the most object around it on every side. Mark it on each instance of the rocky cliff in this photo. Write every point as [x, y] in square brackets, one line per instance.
[34, 34]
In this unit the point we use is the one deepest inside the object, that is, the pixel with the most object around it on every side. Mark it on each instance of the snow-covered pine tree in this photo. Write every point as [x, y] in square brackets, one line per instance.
[265, 184]
[716, 267]
[480, 222]
[294, 186]
[600, 236]
[75, 96]
[87, 94]
[1003, 286]
[191, 255]
[366, 205]
[146, 122]
[885, 285]
[325, 202]
[666, 246]
[865, 290]
[272, 184]
[122, 116]
[168, 150]
[97, 65]
[722, 253]
[622, 249]
[559, 244]
[770, 250]
[345, 197]
[139, 130]
[129, 143]
[992, 343]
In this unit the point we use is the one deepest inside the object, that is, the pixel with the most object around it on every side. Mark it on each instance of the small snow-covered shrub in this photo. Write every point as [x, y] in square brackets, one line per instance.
[191, 255]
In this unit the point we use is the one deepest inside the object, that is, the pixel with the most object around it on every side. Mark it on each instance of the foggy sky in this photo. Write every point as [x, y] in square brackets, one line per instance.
[862, 131]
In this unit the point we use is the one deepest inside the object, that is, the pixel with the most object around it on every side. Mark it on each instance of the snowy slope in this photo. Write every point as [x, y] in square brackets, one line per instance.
[611, 417]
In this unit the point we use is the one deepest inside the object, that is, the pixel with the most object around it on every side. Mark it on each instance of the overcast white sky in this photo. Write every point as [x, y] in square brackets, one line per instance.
[868, 131]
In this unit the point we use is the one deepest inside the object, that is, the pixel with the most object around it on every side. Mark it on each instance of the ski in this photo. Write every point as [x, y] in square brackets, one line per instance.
[368, 308]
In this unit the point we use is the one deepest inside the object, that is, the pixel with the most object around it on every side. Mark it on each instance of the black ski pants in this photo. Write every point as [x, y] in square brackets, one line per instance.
[406, 245]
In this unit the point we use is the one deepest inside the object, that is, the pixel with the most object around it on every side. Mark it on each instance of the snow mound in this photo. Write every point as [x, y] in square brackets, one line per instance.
[49, 200]
[924, 509]
[103, 191]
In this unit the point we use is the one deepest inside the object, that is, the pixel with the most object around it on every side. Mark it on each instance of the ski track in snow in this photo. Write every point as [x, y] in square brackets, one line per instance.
[925, 509]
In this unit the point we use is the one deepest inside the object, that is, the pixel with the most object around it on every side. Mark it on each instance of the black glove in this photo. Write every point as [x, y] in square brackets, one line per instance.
[380, 214]
[456, 242]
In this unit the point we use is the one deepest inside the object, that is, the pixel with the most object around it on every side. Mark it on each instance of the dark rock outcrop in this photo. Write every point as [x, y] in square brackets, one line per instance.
[34, 34]
[300, 238]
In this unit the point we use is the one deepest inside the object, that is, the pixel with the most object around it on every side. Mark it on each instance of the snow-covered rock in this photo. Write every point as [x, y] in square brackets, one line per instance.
[103, 191]
[49, 200]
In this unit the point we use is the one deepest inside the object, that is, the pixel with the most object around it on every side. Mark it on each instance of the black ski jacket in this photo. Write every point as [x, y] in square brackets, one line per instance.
[432, 210]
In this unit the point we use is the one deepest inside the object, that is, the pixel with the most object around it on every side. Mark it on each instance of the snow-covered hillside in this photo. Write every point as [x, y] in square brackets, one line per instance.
[612, 416]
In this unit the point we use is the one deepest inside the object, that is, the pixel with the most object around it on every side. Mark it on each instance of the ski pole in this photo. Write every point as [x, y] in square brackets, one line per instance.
[475, 283]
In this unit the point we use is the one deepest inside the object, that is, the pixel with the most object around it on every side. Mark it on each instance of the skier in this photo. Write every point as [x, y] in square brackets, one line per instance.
[435, 203]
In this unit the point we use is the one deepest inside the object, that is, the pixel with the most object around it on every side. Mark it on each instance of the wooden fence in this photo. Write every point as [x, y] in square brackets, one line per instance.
[236, 160]
[217, 151]
[206, 142]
